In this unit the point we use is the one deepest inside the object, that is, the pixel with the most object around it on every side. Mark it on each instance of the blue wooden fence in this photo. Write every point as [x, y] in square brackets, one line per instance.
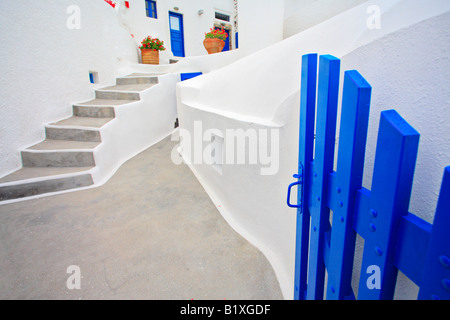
[189, 75]
[332, 206]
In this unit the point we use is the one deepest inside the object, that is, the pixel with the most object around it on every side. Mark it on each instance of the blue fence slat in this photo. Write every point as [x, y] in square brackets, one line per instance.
[189, 75]
[327, 99]
[361, 221]
[395, 240]
[436, 274]
[306, 143]
[350, 165]
[395, 160]
[412, 238]
[412, 246]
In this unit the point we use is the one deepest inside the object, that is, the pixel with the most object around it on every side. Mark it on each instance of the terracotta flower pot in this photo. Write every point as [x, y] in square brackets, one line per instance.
[150, 56]
[213, 45]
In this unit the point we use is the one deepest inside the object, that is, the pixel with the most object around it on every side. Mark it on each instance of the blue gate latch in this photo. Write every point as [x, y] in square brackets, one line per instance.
[300, 192]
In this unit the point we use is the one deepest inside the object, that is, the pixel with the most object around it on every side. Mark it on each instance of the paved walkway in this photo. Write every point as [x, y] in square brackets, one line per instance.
[151, 232]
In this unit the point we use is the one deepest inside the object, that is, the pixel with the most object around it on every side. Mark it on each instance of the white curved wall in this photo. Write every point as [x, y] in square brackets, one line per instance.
[407, 63]
[45, 65]
[303, 14]
[260, 24]
[408, 71]
[266, 71]
[136, 127]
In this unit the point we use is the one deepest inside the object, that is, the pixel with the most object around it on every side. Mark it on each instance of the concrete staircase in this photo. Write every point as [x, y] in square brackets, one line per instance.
[65, 159]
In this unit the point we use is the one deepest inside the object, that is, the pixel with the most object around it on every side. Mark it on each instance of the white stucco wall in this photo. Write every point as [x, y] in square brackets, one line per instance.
[260, 24]
[195, 25]
[303, 14]
[136, 127]
[204, 64]
[408, 71]
[293, 6]
[45, 65]
[407, 63]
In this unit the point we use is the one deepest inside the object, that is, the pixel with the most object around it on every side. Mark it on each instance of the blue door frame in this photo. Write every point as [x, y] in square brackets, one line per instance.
[176, 34]
[227, 41]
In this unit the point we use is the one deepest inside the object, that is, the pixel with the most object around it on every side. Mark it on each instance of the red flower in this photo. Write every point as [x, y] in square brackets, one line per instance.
[216, 34]
[111, 3]
[152, 43]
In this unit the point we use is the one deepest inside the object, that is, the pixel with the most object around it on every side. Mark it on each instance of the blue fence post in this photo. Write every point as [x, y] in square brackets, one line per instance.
[306, 145]
[393, 173]
[352, 143]
[327, 100]
[394, 238]
[436, 274]
[189, 75]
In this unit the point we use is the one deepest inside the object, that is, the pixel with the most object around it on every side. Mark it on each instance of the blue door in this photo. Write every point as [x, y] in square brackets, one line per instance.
[176, 34]
[227, 41]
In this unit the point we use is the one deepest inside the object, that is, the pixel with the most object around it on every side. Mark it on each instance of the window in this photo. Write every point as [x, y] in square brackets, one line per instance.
[150, 8]
[222, 16]
[93, 77]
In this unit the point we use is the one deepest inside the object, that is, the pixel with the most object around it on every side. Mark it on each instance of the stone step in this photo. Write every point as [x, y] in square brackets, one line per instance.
[76, 121]
[64, 159]
[29, 174]
[93, 111]
[115, 95]
[140, 74]
[56, 145]
[62, 133]
[104, 102]
[27, 182]
[129, 87]
[131, 79]
[122, 91]
[32, 158]
[60, 153]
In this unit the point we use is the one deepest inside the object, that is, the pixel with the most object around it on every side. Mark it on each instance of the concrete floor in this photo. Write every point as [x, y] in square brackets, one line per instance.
[151, 232]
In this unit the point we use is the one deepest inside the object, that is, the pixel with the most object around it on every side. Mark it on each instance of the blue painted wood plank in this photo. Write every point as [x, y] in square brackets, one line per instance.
[436, 275]
[352, 144]
[327, 99]
[412, 246]
[189, 75]
[306, 145]
[412, 239]
[394, 238]
[395, 160]
[360, 217]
